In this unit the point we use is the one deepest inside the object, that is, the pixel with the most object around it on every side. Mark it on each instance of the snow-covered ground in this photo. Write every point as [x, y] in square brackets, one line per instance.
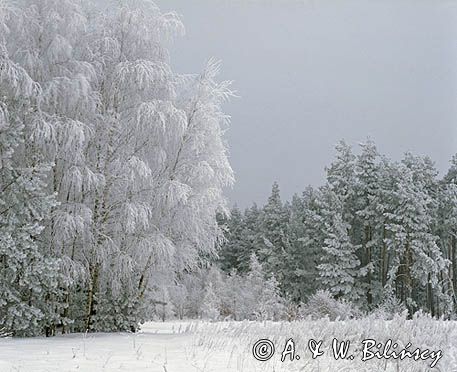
[227, 346]
[158, 347]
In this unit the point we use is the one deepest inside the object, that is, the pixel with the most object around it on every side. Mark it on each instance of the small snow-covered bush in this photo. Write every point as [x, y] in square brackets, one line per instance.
[210, 308]
[323, 305]
[215, 295]
[4, 333]
[389, 308]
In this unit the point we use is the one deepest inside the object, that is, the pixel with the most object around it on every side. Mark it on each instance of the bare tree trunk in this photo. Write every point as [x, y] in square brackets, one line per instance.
[407, 279]
[453, 261]
[91, 306]
[430, 297]
[384, 259]
[368, 261]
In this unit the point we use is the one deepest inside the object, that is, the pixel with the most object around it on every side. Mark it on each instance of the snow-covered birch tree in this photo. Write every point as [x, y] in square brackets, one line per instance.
[135, 152]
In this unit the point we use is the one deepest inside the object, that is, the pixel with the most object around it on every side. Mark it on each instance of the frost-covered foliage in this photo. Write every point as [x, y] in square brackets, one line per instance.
[214, 295]
[28, 275]
[111, 165]
[162, 305]
[323, 305]
[378, 230]
[340, 266]
[390, 308]
[210, 304]
[236, 340]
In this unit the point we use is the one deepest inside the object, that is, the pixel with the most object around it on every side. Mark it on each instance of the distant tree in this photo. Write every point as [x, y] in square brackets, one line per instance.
[273, 235]
[304, 251]
[250, 236]
[234, 250]
[366, 189]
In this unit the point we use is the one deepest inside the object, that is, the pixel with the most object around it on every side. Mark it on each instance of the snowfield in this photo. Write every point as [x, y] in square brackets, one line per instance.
[227, 346]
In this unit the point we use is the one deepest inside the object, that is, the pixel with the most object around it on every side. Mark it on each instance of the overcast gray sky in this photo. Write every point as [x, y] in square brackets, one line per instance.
[312, 72]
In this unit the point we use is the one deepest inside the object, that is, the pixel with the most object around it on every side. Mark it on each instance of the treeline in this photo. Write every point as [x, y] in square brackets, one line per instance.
[377, 232]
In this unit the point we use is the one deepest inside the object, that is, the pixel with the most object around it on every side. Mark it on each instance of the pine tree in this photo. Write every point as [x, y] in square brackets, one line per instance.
[250, 236]
[232, 253]
[339, 269]
[304, 250]
[417, 263]
[274, 240]
[446, 221]
[341, 178]
[446, 230]
[367, 201]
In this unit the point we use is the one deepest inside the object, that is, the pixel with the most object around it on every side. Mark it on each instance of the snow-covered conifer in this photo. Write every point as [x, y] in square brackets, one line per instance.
[339, 269]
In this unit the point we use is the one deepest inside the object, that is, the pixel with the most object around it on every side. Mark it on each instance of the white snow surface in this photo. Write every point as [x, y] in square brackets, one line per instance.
[227, 347]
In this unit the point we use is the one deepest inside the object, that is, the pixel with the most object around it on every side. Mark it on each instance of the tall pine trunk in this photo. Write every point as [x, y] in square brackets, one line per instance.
[368, 255]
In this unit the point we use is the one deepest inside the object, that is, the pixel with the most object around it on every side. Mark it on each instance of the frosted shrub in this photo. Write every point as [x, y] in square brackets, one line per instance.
[4, 333]
[322, 305]
[163, 306]
[178, 299]
[390, 308]
[210, 308]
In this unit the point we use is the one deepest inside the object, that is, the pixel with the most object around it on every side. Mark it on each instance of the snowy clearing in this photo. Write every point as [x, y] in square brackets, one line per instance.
[227, 346]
